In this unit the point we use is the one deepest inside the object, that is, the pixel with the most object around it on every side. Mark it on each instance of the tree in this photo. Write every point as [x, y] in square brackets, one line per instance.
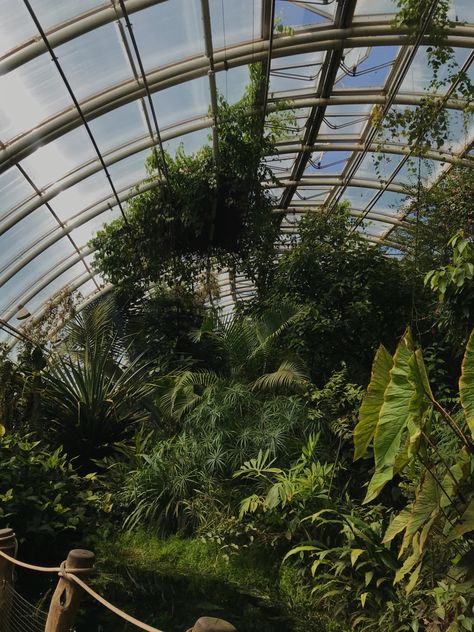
[354, 296]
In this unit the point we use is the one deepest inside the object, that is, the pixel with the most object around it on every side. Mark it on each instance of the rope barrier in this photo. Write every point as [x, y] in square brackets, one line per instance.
[71, 574]
[41, 569]
[120, 613]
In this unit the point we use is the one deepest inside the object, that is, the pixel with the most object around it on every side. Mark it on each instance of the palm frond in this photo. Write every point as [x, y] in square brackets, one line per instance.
[288, 376]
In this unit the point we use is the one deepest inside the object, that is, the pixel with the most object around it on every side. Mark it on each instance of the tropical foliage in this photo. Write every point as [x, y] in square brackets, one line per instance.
[208, 207]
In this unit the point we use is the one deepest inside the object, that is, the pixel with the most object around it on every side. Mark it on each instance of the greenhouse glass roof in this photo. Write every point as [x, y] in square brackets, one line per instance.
[76, 123]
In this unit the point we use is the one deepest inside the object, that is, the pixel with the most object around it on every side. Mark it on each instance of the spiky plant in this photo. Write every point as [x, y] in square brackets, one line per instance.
[93, 397]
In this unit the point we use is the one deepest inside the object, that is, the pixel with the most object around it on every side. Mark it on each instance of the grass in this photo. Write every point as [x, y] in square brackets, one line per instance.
[253, 571]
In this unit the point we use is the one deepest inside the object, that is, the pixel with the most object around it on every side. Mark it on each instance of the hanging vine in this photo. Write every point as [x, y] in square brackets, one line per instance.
[426, 126]
[208, 214]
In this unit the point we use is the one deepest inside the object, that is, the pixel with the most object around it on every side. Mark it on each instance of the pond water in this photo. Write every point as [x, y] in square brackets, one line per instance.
[171, 603]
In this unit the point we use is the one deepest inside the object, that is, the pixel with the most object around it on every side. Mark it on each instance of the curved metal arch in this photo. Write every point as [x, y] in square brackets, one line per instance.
[69, 30]
[94, 210]
[142, 143]
[304, 41]
[338, 181]
[40, 283]
[81, 218]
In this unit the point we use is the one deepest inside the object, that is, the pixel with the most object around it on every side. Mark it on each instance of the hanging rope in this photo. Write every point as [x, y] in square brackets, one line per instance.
[414, 317]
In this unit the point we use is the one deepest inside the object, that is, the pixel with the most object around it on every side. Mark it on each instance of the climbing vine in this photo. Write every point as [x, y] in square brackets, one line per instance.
[203, 211]
[426, 126]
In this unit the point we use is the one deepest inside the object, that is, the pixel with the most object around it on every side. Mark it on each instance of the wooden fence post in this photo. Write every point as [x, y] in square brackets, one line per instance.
[211, 624]
[68, 594]
[8, 544]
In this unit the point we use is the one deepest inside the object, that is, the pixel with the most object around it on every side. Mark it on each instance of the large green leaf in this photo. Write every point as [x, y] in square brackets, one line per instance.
[398, 524]
[466, 523]
[372, 403]
[466, 383]
[393, 419]
[425, 508]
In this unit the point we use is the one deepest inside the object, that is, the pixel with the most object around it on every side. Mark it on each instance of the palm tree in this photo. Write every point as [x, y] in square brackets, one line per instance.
[93, 396]
[246, 347]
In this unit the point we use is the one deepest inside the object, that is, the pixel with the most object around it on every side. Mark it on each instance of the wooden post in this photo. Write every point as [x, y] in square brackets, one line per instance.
[8, 544]
[68, 594]
[211, 624]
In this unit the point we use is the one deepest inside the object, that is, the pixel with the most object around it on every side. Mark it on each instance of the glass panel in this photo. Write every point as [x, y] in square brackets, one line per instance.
[51, 12]
[366, 68]
[233, 22]
[24, 235]
[390, 203]
[51, 162]
[118, 127]
[182, 102]
[75, 199]
[32, 274]
[358, 197]
[295, 72]
[191, 142]
[30, 94]
[232, 83]
[462, 10]
[130, 171]
[316, 193]
[345, 119]
[88, 288]
[367, 7]
[94, 61]
[429, 170]
[378, 166]
[331, 162]
[16, 25]
[168, 31]
[375, 228]
[420, 74]
[67, 278]
[82, 234]
[13, 189]
[281, 164]
[295, 15]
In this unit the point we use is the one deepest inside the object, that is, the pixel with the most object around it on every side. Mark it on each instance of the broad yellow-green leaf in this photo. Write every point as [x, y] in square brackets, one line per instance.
[410, 561]
[413, 579]
[396, 406]
[419, 375]
[457, 474]
[466, 383]
[393, 418]
[300, 549]
[2, 430]
[378, 481]
[355, 554]
[368, 577]
[372, 402]
[466, 523]
[425, 507]
[363, 598]
[398, 524]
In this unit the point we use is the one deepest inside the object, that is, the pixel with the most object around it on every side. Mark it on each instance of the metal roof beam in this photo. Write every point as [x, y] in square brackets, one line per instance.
[242, 54]
[67, 31]
[44, 280]
[331, 65]
[115, 155]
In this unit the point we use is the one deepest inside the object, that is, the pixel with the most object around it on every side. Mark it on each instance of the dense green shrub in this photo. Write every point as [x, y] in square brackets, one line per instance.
[354, 296]
[41, 496]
